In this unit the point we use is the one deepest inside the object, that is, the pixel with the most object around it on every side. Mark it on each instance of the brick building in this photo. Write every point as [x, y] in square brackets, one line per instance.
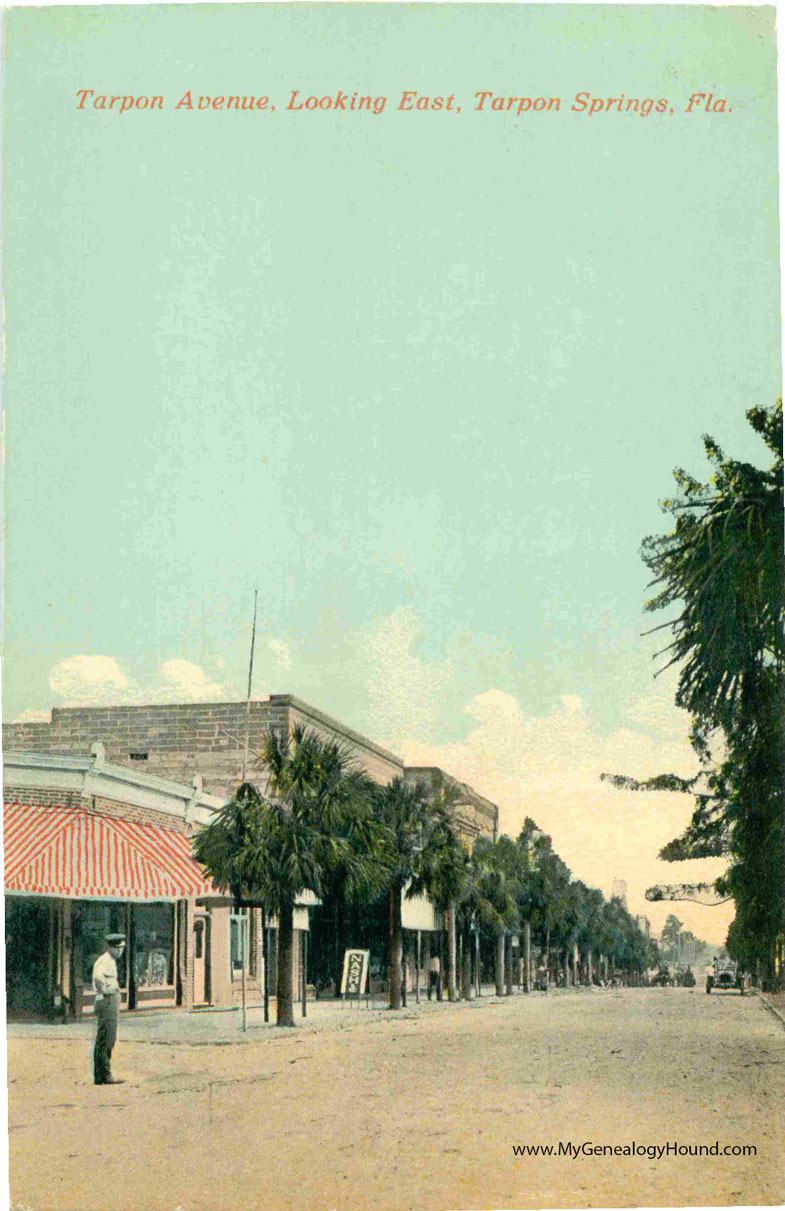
[472, 815]
[179, 762]
[179, 741]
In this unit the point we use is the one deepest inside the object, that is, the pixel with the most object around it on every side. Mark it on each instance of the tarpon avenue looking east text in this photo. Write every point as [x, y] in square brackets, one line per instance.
[409, 101]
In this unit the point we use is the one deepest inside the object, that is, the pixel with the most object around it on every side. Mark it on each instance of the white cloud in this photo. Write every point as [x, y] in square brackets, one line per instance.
[88, 680]
[404, 690]
[281, 652]
[99, 681]
[549, 766]
[186, 682]
[34, 716]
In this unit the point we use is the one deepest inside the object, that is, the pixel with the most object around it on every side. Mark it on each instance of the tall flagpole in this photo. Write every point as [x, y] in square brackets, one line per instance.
[245, 928]
[248, 698]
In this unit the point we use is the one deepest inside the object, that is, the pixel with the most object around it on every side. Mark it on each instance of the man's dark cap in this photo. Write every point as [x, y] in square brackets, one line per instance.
[114, 939]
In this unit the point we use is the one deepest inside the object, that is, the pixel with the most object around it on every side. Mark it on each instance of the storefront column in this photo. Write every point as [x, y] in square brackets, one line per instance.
[185, 952]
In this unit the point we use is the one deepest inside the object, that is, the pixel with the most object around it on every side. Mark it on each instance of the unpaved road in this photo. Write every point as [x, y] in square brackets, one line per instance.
[415, 1110]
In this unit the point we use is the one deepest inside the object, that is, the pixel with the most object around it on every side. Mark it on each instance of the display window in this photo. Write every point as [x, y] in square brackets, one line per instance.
[92, 921]
[153, 945]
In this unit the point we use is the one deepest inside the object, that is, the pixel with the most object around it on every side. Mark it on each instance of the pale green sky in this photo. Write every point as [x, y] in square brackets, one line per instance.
[421, 375]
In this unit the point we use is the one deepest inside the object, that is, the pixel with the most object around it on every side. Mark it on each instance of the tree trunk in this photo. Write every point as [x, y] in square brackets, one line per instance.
[440, 980]
[576, 975]
[478, 962]
[284, 1006]
[452, 966]
[498, 965]
[566, 968]
[527, 956]
[466, 964]
[340, 936]
[396, 945]
[589, 970]
[508, 967]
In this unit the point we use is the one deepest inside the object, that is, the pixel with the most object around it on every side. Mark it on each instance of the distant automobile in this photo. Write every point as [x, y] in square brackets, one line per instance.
[726, 976]
[662, 979]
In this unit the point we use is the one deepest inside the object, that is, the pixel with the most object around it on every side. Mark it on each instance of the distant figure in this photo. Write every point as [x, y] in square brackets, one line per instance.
[107, 1005]
[434, 971]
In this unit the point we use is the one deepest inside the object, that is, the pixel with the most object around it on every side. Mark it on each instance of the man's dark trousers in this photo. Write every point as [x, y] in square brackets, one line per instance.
[106, 1011]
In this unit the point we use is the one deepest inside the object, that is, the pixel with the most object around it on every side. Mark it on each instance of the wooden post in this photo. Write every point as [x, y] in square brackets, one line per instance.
[304, 968]
[243, 953]
[242, 965]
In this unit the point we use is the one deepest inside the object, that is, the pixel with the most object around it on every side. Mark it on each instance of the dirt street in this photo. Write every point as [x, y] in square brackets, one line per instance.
[420, 1109]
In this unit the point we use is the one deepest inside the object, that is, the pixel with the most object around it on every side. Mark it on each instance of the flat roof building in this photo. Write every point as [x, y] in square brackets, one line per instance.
[180, 740]
[139, 780]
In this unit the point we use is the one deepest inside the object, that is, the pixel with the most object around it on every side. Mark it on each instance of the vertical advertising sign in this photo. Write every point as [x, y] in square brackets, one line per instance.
[355, 973]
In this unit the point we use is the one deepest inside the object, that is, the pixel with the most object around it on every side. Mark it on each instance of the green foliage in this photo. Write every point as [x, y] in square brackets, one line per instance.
[723, 566]
[404, 810]
[313, 833]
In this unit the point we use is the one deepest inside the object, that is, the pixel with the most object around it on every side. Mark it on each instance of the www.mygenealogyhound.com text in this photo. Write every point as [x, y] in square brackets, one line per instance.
[654, 1152]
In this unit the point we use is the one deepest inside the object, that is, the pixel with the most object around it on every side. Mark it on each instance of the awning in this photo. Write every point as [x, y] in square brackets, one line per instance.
[75, 854]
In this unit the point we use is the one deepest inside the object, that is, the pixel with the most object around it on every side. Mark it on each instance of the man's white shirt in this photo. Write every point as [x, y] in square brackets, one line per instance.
[104, 976]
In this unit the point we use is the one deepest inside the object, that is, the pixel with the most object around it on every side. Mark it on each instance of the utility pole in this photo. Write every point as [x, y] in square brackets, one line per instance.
[246, 923]
[248, 696]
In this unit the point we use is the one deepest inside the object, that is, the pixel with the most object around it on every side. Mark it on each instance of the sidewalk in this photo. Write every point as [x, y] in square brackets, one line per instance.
[775, 1002]
[206, 1026]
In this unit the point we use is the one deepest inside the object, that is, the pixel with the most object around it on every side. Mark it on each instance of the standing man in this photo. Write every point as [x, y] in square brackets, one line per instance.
[107, 1004]
[434, 972]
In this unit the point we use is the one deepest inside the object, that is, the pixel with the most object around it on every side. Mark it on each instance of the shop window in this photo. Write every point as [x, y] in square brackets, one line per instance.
[199, 939]
[153, 945]
[92, 921]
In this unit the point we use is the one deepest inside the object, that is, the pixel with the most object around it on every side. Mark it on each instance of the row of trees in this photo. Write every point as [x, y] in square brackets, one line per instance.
[722, 568]
[322, 825]
[679, 945]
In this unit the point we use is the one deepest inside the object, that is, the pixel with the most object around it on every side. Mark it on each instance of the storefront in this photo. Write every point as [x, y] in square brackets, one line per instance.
[93, 847]
[72, 876]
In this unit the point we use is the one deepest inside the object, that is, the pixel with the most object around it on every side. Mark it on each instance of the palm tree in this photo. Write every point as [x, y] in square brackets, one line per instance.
[443, 876]
[497, 886]
[227, 849]
[356, 873]
[271, 849]
[404, 810]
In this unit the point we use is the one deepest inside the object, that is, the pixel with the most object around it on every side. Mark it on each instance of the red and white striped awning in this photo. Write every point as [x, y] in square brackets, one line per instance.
[73, 853]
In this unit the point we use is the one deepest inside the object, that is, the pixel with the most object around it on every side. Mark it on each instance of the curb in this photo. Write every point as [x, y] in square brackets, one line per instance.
[765, 1001]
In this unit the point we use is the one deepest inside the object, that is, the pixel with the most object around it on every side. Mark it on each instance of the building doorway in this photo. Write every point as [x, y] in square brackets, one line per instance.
[29, 931]
[201, 945]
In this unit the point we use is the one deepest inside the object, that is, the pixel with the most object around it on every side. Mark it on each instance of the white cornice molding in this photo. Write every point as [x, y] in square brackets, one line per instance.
[93, 776]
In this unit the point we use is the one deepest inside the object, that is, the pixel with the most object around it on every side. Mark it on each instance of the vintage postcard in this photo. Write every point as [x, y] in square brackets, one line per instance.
[393, 654]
